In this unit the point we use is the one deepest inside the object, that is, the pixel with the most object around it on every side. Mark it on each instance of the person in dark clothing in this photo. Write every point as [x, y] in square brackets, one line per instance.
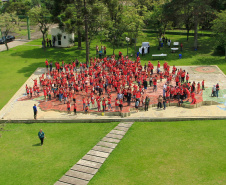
[142, 51]
[145, 84]
[128, 98]
[41, 136]
[50, 66]
[146, 105]
[50, 43]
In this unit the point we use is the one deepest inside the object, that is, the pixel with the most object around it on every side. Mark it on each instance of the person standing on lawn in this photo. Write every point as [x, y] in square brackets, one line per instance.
[41, 136]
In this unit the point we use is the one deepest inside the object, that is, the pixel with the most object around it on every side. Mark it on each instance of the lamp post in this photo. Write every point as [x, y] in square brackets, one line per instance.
[127, 40]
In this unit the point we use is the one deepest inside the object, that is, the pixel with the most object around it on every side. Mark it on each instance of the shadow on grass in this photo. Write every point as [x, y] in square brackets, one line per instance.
[55, 54]
[38, 144]
[29, 69]
[209, 61]
[206, 46]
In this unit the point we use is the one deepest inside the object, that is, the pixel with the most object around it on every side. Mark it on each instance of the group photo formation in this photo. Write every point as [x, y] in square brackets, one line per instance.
[112, 92]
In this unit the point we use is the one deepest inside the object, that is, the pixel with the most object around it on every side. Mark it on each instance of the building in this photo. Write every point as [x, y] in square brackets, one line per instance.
[61, 38]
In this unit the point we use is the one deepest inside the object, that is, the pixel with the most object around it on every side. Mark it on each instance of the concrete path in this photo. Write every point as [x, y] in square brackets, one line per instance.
[84, 170]
[16, 42]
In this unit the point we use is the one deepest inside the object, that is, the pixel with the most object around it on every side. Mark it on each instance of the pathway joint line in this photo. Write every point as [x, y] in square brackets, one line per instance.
[76, 178]
[96, 156]
[86, 166]
[81, 171]
[84, 170]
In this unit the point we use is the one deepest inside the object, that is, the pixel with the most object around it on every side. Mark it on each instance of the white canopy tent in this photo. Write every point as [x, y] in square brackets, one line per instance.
[145, 45]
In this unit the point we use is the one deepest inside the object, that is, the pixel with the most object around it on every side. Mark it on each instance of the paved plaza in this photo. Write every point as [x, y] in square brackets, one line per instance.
[20, 108]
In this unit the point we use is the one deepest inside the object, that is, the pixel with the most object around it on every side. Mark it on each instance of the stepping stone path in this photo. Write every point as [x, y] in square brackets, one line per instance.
[84, 170]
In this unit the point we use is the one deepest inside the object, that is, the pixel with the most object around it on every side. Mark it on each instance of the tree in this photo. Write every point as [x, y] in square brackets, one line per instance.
[8, 23]
[41, 16]
[157, 19]
[219, 28]
[114, 27]
[133, 21]
[71, 19]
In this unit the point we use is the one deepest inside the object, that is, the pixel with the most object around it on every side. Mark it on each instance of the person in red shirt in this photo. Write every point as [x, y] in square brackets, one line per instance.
[28, 91]
[65, 96]
[75, 108]
[68, 107]
[203, 85]
[86, 109]
[194, 101]
[84, 103]
[155, 85]
[187, 77]
[198, 88]
[98, 104]
[109, 104]
[182, 76]
[47, 64]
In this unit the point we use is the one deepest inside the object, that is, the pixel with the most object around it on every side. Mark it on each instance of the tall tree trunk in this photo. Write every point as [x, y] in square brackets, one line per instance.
[196, 32]
[79, 38]
[79, 14]
[6, 45]
[135, 49]
[43, 40]
[225, 51]
[86, 34]
[187, 33]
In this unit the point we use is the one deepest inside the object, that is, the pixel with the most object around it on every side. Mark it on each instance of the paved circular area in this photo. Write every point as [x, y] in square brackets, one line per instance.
[206, 69]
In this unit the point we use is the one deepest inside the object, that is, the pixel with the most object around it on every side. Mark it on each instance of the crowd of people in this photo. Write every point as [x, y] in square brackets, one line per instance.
[124, 77]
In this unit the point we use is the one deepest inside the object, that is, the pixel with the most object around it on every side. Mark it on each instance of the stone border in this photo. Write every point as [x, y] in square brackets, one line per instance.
[108, 120]
[85, 169]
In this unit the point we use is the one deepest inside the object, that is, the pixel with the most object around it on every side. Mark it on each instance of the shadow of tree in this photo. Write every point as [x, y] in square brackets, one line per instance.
[209, 61]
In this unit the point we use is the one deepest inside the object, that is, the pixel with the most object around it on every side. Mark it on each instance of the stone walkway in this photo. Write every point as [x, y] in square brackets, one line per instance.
[84, 170]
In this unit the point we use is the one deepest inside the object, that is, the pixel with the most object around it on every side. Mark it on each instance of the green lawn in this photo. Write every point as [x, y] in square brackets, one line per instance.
[168, 153]
[20, 62]
[23, 161]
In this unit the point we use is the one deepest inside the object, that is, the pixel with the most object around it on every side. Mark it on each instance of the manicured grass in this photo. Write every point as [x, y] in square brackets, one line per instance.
[20, 62]
[24, 161]
[168, 153]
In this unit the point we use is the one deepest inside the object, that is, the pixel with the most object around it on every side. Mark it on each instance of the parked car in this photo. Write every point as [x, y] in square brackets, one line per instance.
[2, 41]
[9, 38]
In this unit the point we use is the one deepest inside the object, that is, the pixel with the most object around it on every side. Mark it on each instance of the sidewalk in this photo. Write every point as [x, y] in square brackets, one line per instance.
[16, 42]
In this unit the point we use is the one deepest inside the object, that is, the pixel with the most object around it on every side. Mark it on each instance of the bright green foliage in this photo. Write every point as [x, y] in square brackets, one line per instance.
[8, 23]
[24, 161]
[134, 23]
[189, 152]
[41, 16]
[157, 18]
[219, 27]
